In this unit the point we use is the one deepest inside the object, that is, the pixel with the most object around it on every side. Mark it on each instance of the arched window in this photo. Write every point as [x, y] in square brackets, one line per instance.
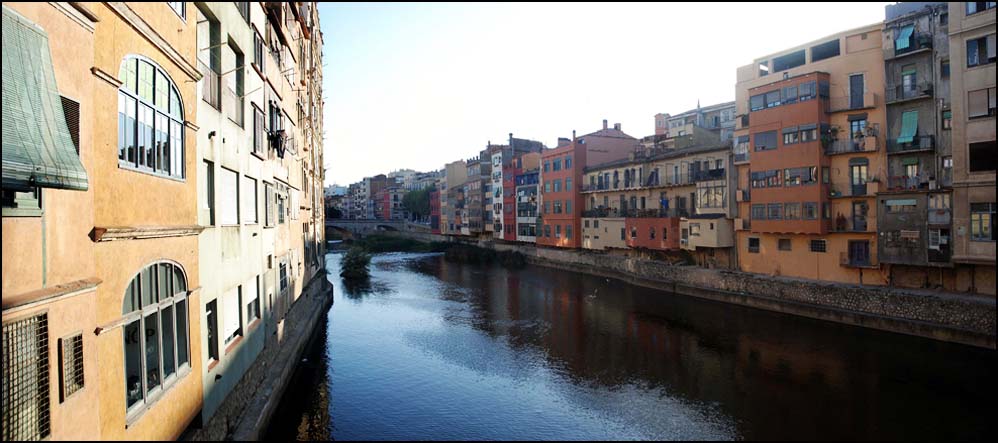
[150, 119]
[156, 332]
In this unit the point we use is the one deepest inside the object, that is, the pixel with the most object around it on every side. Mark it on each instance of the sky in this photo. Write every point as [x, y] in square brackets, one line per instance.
[417, 85]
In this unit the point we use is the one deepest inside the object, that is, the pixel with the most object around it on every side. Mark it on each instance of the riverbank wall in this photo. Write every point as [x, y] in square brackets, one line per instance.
[247, 410]
[958, 318]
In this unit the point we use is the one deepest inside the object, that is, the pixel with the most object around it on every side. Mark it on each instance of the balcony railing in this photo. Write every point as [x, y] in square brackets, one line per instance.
[920, 40]
[851, 190]
[855, 262]
[741, 157]
[906, 183]
[210, 86]
[861, 144]
[636, 213]
[900, 92]
[849, 103]
[919, 143]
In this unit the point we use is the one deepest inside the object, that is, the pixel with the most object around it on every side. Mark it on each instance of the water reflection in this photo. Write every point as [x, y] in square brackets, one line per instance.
[483, 352]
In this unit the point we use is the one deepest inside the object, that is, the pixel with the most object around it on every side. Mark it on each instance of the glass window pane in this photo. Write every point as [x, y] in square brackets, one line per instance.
[163, 279]
[179, 283]
[182, 358]
[151, 324]
[162, 144]
[127, 75]
[146, 279]
[146, 73]
[168, 345]
[177, 149]
[133, 364]
[131, 302]
[176, 110]
[146, 152]
[162, 89]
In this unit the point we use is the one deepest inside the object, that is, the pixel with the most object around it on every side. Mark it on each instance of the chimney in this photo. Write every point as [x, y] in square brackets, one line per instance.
[616, 126]
[573, 135]
[604, 123]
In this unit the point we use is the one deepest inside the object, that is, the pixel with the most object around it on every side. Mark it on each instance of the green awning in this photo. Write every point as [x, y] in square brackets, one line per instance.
[904, 37]
[909, 125]
[37, 147]
[909, 161]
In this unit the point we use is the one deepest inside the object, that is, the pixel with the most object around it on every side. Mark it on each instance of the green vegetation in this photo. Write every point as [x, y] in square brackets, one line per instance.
[418, 203]
[354, 265]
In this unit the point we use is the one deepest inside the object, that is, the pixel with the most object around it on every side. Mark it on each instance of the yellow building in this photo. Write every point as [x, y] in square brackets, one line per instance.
[806, 191]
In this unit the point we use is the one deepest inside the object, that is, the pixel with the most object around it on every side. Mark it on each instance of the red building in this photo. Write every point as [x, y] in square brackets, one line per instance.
[561, 181]
[509, 174]
[435, 211]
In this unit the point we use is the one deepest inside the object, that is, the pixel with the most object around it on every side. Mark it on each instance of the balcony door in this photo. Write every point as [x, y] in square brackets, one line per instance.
[859, 252]
[856, 91]
[858, 176]
[859, 213]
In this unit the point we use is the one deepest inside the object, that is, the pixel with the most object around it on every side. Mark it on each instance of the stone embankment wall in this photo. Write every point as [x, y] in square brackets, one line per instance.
[959, 318]
[246, 411]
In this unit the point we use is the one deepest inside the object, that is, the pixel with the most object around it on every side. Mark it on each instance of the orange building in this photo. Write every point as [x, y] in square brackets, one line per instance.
[810, 158]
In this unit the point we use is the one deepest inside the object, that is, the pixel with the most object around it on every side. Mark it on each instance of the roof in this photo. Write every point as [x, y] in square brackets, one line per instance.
[705, 216]
[671, 153]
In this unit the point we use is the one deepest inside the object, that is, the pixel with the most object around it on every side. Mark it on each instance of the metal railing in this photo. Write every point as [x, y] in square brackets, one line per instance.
[862, 144]
[904, 182]
[919, 143]
[846, 103]
[210, 86]
[900, 92]
[921, 40]
[232, 104]
[741, 157]
[708, 174]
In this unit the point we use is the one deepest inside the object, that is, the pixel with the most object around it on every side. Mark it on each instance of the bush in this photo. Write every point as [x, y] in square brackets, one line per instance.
[354, 264]
[476, 255]
[385, 243]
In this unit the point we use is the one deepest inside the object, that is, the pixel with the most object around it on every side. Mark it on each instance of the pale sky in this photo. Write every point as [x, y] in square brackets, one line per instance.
[419, 85]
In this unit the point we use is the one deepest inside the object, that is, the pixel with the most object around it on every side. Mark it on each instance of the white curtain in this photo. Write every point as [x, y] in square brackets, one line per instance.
[230, 313]
[228, 197]
[249, 203]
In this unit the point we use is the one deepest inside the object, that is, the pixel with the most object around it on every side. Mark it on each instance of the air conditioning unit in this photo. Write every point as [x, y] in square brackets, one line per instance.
[683, 242]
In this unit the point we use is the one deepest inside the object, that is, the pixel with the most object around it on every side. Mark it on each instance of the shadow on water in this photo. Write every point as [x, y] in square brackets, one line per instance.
[440, 350]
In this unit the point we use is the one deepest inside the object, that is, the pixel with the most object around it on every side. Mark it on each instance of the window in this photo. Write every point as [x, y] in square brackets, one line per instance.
[758, 212]
[150, 120]
[774, 211]
[622, 235]
[211, 309]
[209, 190]
[753, 245]
[268, 203]
[665, 233]
[568, 184]
[947, 119]
[155, 334]
[773, 99]
[252, 290]
[71, 378]
[764, 140]
[178, 7]
[568, 162]
[228, 202]
[557, 231]
[26, 379]
[547, 186]
[757, 102]
[557, 206]
[981, 51]
[790, 136]
[634, 232]
[810, 211]
[22, 204]
[568, 231]
[982, 221]
[546, 166]
[825, 50]
[944, 68]
[547, 231]
[568, 206]
[281, 197]
[975, 7]
[788, 61]
[232, 312]
[983, 156]
[818, 246]
[557, 185]
[556, 164]
[249, 202]
[233, 64]
[783, 244]
[791, 211]
[694, 229]
[981, 103]
[283, 276]
[259, 52]
[806, 91]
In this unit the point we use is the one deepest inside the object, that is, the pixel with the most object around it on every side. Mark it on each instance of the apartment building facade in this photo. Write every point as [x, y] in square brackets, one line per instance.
[972, 82]
[718, 119]
[805, 193]
[527, 198]
[559, 224]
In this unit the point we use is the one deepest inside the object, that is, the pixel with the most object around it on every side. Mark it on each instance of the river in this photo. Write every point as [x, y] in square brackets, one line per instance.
[437, 350]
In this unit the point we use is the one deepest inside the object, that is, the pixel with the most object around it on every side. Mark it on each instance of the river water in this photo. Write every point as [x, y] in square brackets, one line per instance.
[436, 350]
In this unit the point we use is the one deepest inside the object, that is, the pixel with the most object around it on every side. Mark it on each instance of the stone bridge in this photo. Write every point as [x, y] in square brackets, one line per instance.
[350, 228]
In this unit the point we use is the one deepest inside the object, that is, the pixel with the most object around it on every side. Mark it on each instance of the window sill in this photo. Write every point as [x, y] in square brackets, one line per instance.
[128, 167]
[212, 364]
[232, 345]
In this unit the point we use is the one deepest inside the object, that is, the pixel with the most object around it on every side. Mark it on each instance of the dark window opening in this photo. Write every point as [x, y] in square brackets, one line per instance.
[788, 61]
[825, 50]
[983, 156]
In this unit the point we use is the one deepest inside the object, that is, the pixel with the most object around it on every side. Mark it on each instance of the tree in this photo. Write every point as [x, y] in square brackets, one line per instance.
[418, 203]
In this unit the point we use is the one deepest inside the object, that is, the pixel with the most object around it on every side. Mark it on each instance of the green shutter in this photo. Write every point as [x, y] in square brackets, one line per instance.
[904, 37]
[909, 161]
[909, 125]
[37, 148]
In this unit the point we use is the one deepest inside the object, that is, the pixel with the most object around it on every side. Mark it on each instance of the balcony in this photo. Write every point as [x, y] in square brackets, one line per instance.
[851, 103]
[708, 174]
[855, 262]
[743, 195]
[635, 213]
[742, 224]
[210, 86]
[861, 144]
[232, 104]
[900, 93]
[905, 183]
[920, 42]
[919, 143]
[741, 157]
[941, 216]
[847, 190]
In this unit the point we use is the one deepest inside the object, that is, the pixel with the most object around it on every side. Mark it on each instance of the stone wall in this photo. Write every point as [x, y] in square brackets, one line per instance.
[246, 411]
[960, 318]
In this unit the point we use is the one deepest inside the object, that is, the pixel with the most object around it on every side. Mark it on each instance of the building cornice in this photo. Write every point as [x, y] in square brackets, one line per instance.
[144, 29]
[106, 234]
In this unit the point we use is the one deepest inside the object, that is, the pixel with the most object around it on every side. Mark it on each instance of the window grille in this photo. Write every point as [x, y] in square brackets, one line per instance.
[26, 379]
[71, 361]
